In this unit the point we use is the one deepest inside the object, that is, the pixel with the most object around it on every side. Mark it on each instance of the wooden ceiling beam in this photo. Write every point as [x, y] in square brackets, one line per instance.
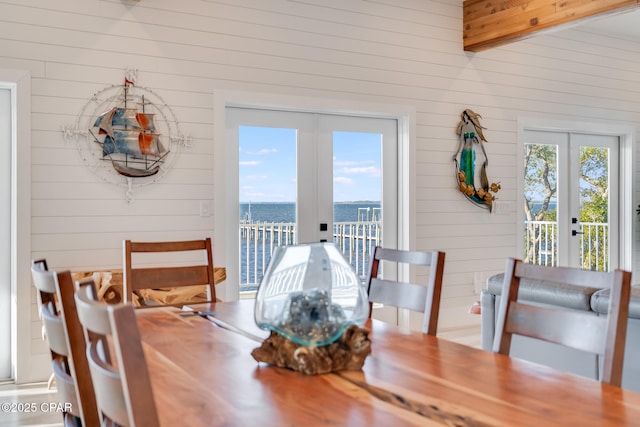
[491, 23]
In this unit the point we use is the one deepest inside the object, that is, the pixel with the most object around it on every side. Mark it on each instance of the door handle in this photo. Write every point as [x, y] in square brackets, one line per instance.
[575, 233]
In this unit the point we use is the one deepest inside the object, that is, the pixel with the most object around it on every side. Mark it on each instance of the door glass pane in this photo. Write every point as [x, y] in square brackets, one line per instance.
[594, 208]
[267, 195]
[540, 204]
[5, 232]
[357, 195]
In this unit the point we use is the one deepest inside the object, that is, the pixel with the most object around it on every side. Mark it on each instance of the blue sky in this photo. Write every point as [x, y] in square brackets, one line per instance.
[268, 165]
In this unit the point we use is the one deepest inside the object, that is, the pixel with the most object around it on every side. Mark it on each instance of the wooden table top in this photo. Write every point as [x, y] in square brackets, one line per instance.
[203, 374]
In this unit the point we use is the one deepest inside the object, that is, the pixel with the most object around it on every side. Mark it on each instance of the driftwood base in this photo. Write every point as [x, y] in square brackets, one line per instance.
[347, 353]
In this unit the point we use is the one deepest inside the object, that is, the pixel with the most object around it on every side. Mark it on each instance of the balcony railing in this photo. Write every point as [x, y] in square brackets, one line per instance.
[259, 239]
[541, 244]
[356, 239]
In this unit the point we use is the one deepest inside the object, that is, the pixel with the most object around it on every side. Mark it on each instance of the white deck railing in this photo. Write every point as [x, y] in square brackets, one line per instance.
[541, 244]
[259, 239]
[356, 239]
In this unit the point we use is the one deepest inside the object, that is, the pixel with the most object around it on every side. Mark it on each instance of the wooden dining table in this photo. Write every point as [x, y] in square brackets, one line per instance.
[203, 374]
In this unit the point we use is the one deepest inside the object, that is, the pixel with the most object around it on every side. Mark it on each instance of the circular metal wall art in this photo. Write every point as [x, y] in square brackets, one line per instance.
[127, 135]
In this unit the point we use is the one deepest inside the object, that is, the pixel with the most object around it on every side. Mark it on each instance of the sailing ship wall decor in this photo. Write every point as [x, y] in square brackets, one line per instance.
[127, 135]
[129, 139]
[470, 148]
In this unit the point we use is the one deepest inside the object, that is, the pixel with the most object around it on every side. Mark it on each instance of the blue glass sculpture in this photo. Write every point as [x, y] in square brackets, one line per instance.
[310, 294]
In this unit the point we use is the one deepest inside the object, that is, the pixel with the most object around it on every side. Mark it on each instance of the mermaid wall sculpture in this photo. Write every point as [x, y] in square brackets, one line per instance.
[472, 141]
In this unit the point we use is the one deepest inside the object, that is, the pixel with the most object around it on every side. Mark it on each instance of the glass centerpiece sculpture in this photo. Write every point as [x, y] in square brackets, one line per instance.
[310, 295]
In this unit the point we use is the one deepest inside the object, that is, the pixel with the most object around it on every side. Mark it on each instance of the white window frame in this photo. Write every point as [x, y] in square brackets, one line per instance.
[22, 360]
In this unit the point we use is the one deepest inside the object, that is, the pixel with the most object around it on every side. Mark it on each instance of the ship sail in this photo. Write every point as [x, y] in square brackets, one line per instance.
[129, 139]
[133, 143]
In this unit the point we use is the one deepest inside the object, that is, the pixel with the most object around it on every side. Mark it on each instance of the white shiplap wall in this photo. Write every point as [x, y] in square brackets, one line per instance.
[405, 52]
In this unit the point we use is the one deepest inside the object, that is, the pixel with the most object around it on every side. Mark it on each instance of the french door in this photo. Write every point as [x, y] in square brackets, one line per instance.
[571, 199]
[309, 177]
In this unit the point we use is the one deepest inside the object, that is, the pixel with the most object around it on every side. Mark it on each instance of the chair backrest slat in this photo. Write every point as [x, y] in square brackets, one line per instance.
[145, 278]
[581, 331]
[65, 385]
[54, 330]
[404, 295]
[566, 275]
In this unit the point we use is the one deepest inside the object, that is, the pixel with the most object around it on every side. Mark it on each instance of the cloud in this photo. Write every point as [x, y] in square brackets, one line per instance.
[345, 163]
[250, 163]
[343, 180]
[367, 170]
[256, 177]
[264, 151]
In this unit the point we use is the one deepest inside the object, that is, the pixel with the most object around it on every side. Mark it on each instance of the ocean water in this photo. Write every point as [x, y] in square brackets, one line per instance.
[252, 254]
[286, 212]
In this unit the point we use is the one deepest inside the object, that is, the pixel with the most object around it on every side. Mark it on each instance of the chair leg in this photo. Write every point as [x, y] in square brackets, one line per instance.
[52, 380]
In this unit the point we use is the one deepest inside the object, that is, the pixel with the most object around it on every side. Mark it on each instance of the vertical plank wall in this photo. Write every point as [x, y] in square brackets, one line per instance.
[405, 52]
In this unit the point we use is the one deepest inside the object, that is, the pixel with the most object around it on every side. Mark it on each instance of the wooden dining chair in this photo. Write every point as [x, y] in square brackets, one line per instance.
[602, 335]
[172, 274]
[412, 296]
[66, 343]
[116, 359]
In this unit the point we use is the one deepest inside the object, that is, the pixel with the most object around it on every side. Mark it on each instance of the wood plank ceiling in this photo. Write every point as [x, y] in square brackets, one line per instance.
[494, 23]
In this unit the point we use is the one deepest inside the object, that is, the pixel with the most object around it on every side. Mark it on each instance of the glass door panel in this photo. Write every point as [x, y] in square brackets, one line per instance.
[541, 203]
[267, 195]
[595, 231]
[357, 193]
[364, 191]
[5, 232]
